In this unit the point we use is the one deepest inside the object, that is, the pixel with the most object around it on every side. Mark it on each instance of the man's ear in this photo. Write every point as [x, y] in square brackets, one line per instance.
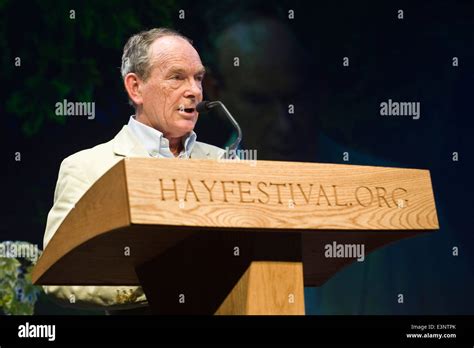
[132, 85]
[211, 85]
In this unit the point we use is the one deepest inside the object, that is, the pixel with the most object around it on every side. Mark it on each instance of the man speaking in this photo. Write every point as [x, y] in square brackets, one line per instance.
[162, 74]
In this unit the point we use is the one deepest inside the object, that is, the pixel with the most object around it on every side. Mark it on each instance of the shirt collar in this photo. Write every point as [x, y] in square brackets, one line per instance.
[156, 144]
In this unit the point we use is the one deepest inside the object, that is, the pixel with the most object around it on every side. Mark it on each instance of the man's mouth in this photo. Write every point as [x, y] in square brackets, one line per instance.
[188, 111]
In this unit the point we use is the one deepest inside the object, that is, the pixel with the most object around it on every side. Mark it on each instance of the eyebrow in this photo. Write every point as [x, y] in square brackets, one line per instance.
[179, 70]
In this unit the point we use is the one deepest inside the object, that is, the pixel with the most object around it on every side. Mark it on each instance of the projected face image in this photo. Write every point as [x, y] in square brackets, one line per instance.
[269, 91]
[170, 95]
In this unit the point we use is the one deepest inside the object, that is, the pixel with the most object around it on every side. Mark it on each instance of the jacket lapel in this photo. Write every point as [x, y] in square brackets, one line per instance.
[126, 144]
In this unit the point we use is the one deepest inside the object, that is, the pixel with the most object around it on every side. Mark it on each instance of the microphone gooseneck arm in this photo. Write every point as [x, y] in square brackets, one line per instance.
[205, 106]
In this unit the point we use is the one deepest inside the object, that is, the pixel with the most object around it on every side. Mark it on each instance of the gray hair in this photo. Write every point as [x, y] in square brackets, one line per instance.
[136, 57]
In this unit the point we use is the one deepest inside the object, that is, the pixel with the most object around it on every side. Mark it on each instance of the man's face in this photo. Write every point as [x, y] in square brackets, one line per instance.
[174, 87]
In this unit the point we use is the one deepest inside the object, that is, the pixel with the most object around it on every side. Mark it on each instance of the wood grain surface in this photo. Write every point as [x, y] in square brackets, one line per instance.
[279, 195]
[281, 215]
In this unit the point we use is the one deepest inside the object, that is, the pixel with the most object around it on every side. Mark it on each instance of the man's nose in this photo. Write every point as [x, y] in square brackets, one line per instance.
[193, 89]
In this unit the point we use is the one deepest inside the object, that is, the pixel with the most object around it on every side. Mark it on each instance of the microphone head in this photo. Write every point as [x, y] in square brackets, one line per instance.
[203, 107]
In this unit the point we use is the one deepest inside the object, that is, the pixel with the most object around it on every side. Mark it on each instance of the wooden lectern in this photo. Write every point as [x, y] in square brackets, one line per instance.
[232, 237]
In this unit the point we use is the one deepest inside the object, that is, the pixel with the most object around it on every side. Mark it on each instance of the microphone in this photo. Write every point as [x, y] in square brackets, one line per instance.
[206, 106]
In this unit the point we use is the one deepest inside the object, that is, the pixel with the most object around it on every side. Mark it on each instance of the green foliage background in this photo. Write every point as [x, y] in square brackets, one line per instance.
[17, 294]
[55, 51]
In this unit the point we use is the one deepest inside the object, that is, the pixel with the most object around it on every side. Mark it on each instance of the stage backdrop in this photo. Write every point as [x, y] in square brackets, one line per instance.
[341, 82]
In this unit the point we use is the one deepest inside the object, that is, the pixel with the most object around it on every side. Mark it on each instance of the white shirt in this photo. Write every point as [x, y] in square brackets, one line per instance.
[156, 144]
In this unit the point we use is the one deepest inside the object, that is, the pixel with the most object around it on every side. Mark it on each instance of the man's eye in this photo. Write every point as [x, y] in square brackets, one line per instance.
[177, 77]
[200, 77]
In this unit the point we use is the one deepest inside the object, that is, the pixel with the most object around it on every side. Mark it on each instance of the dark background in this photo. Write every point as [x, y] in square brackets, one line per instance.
[337, 110]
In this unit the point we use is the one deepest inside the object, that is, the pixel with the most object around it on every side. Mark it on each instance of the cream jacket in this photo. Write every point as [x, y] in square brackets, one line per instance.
[77, 173]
